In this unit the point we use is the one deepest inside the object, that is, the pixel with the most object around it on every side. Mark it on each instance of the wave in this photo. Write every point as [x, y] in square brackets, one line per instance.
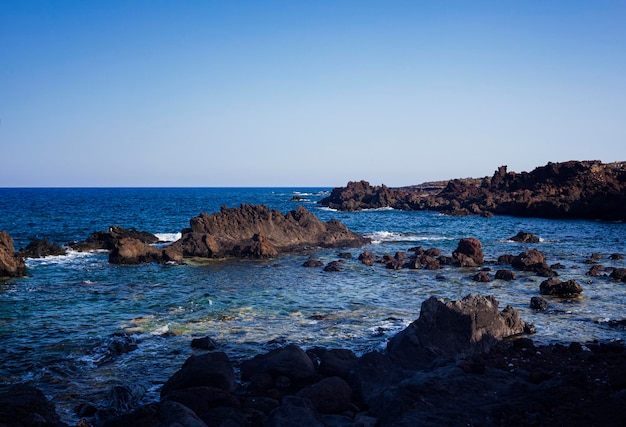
[168, 237]
[394, 236]
[70, 257]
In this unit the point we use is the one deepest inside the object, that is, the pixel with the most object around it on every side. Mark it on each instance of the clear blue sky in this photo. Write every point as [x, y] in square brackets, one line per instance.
[305, 93]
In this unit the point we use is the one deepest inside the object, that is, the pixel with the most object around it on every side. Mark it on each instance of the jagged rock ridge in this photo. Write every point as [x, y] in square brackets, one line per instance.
[574, 189]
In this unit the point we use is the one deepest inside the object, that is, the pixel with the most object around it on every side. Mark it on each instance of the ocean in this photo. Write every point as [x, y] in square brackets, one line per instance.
[77, 326]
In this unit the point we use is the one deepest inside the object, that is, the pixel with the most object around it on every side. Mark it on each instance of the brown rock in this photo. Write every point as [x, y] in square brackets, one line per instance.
[469, 253]
[11, 264]
[554, 286]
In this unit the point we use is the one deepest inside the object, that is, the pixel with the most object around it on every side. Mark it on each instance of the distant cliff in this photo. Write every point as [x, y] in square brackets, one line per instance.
[574, 189]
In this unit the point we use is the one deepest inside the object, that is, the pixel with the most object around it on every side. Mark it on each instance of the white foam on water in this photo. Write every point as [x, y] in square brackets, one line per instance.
[168, 237]
[393, 236]
[71, 257]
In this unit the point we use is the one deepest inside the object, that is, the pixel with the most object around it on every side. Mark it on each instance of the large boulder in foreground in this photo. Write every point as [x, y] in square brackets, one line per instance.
[449, 329]
[11, 264]
[256, 231]
[23, 405]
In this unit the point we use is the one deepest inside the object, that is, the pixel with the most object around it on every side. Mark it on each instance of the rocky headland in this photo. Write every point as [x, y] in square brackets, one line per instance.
[575, 189]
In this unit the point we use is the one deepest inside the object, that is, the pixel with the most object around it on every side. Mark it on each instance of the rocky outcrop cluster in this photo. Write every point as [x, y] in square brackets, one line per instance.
[575, 189]
[449, 367]
[249, 231]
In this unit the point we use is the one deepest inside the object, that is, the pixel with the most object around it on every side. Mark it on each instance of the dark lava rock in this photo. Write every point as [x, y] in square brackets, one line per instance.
[470, 325]
[574, 189]
[40, 248]
[289, 361]
[256, 231]
[23, 405]
[619, 274]
[331, 395]
[556, 287]
[367, 258]
[11, 264]
[529, 260]
[210, 369]
[109, 239]
[337, 362]
[469, 253]
[595, 271]
[481, 277]
[204, 343]
[313, 263]
[538, 303]
[333, 266]
[506, 259]
[523, 237]
[507, 275]
[616, 257]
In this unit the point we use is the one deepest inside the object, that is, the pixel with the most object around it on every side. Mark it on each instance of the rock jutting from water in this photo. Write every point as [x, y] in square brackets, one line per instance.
[575, 189]
[11, 264]
[248, 231]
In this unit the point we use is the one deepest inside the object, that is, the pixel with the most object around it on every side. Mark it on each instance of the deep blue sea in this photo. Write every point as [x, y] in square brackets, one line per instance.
[59, 325]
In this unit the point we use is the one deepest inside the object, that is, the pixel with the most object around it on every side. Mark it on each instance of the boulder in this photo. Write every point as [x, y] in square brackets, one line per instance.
[481, 277]
[11, 264]
[40, 248]
[469, 253]
[556, 287]
[333, 266]
[23, 405]
[202, 399]
[523, 237]
[337, 362]
[129, 250]
[471, 325]
[595, 271]
[162, 414]
[204, 343]
[367, 258]
[619, 274]
[295, 411]
[313, 263]
[507, 275]
[530, 260]
[538, 303]
[210, 370]
[331, 395]
[258, 232]
[289, 361]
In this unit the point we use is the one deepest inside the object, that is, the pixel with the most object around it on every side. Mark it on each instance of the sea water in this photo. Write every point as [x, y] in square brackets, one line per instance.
[76, 325]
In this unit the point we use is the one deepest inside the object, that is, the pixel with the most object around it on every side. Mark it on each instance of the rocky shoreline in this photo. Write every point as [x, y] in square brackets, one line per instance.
[461, 362]
[569, 190]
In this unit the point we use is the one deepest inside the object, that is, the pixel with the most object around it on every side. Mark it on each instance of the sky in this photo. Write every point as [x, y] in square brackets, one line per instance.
[305, 93]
